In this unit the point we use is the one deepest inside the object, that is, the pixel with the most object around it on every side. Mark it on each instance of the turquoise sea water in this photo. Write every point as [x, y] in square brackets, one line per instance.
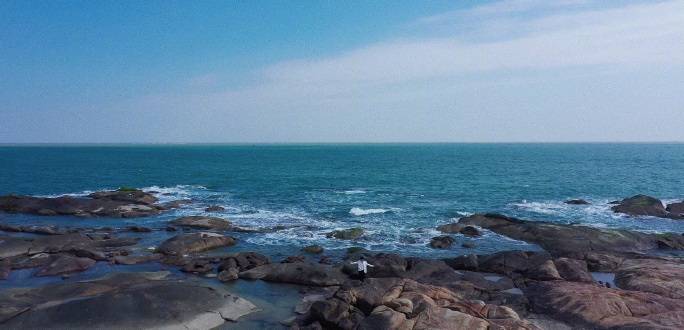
[398, 192]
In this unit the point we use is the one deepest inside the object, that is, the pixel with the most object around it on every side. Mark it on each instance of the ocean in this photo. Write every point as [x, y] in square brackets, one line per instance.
[398, 193]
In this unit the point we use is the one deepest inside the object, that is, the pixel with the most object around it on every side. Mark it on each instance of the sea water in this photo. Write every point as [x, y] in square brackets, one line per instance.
[398, 193]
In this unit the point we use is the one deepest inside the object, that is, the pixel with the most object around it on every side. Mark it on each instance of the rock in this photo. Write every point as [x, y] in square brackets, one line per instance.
[676, 209]
[577, 202]
[65, 264]
[134, 260]
[326, 260]
[148, 300]
[243, 261]
[297, 273]
[585, 305]
[467, 245]
[195, 242]
[214, 208]
[201, 222]
[314, 249]
[383, 317]
[199, 266]
[384, 265]
[294, 259]
[532, 265]
[348, 234]
[126, 204]
[356, 250]
[459, 228]
[169, 228]
[451, 228]
[5, 269]
[642, 205]
[574, 241]
[466, 262]
[395, 303]
[573, 270]
[470, 231]
[662, 277]
[139, 229]
[43, 230]
[228, 275]
[125, 195]
[88, 245]
[441, 242]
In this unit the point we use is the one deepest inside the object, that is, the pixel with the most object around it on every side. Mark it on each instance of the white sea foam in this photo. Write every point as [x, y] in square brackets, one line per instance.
[357, 211]
[354, 191]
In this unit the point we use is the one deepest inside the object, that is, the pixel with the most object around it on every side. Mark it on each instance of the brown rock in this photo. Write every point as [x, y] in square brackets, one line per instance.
[201, 222]
[65, 264]
[573, 270]
[595, 307]
[662, 277]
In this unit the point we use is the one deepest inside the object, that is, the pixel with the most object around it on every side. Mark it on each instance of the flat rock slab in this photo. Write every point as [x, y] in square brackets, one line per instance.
[574, 241]
[596, 307]
[297, 273]
[122, 301]
[195, 242]
[201, 222]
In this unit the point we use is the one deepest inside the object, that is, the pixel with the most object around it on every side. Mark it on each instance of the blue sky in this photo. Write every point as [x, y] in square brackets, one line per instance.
[341, 71]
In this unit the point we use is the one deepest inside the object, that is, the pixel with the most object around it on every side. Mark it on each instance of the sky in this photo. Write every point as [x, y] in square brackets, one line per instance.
[341, 71]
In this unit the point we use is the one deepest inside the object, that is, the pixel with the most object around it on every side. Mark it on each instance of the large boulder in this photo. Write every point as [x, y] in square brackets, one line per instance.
[662, 277]
[243, 261]
[119, 203]
[676, 209]
[84, 245]
[347, 234]
[574, 241]
[592, 306]
[202, 222]
[297, 273]
[147, 300]
[642, 205]
[196, 242]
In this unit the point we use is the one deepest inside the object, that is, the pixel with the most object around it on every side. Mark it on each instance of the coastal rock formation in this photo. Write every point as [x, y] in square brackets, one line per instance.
[395, 303]
[123, 203]
[459, 228]
[441, 242]
[196, 242]
[595, 307]
[65, 264]
[662, 277]
[297, 273]
[642, 205]
[348, 234]
[72, 243]
[201, 222]
[574, 241]
[147, 300]
[676, 209]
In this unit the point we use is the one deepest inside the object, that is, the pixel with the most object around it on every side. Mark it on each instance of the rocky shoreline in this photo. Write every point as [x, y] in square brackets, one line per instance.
[557, 288]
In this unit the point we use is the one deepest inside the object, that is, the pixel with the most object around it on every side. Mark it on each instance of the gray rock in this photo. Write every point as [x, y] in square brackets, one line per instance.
[65, 264]
[195, 242]
[201, 222]
[297, 273]
[147, 300]
[441, 242]
[347, 234]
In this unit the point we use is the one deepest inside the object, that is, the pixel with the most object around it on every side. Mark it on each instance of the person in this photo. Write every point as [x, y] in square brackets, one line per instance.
[363, 267]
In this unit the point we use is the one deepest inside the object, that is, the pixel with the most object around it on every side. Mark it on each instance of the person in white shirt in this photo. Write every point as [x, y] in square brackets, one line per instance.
[363, 267]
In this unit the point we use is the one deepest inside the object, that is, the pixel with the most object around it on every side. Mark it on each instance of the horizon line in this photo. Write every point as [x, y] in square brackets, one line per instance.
[55, 144]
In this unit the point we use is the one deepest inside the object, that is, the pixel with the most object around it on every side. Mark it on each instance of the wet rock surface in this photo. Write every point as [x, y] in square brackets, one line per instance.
[202, 222]
[346, 234]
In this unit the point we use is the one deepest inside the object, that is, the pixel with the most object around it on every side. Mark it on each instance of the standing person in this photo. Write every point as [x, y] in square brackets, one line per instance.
[363, 267]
